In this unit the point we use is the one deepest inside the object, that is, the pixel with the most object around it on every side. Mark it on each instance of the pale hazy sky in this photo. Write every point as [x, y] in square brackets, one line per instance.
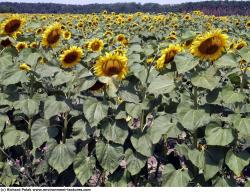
[82, 2]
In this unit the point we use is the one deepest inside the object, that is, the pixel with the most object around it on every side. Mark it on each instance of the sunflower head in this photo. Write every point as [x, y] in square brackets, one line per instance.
[95, 45]
[248, 24]
[52, 35]
[120, 37]
[21, 45]
[167, 56]
[33, 45]
[69, 58]
[25, 67]
[6, 42]
[12, 25]
[67, 35]
[240, 44]
[112, 65]
[209, 46]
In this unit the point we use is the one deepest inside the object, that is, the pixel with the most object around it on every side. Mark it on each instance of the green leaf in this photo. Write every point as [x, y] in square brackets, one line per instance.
[32, 59]
[41, 132]
[14, 137]
[5, 60]
[116, 132]
[53, 107]
[142, 144]
[3, 120]
[229, 96]
[223, 182]
[81, 130]
[244, 53]
[161, 85]
[87, 83]
[62, 156]
[8, 175]
[134, 110]
[14, 77]
[206, 79]
[94, 111]
[62, 77]
[135, 48]
[214, 159]
[243, 127]
[185, 62]
[193, 119]
[216, 135]
[84, 167]
[109, 155]
[237, 162]
[28, 106]
[135, 161]
[197, 158]
[175, 178]
[162, 125]
[227, 61]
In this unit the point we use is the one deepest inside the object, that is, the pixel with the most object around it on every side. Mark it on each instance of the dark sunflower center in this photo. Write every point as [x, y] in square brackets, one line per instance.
[112, 67]
[21, 46]
[97, 86]
[208, 47]
[95, 46]
[70, 57]
[53, 36]
[169, 57]
[5, 43]
[12, 26]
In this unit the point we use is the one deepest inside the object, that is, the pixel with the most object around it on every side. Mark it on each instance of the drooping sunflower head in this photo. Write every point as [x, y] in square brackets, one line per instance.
[112, 65]
[240, 44]
[21, 45]
[95, 45]
[12, 25]
[69, 58]
[209, 46]
[52, 35]
[34, 45]
[25, 67]
[167, 55]
[6, 42]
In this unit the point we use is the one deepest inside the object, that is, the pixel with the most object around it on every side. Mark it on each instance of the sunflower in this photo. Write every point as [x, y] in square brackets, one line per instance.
[120, 37]
[248, 24]
[6, 42]
[25, 67]
[209, 46]
[240, 44]
[51, 36]
[12, 25]
[95, 45]
[67, 35]
[69, 58]
[33, 45]
[167, 56]
[21, 45]
[112, 64]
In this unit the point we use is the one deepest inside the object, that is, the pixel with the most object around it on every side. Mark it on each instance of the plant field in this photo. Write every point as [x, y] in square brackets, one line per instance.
[113, 99]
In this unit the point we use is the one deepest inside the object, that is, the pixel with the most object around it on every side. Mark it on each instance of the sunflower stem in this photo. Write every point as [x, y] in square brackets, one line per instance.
[195, 96]
[65, 127]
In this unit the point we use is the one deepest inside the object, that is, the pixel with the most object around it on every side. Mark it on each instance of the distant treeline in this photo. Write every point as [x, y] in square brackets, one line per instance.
[208, 7]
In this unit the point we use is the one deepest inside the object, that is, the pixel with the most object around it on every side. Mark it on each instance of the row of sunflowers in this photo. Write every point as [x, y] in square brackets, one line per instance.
[114, 99]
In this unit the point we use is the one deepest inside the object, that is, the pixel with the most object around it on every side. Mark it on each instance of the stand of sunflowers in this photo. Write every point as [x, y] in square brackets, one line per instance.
[124, 100]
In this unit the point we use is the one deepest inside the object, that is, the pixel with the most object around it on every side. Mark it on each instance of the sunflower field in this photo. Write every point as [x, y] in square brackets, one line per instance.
[117, 100]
